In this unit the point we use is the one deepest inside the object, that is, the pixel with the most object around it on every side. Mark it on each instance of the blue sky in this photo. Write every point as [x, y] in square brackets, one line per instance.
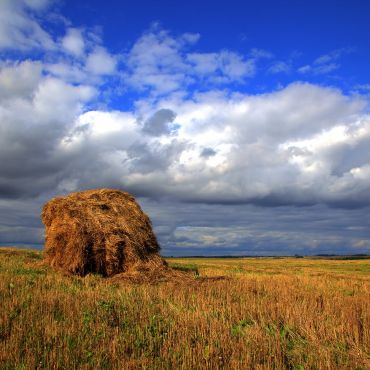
[293, 32]
[242, 127]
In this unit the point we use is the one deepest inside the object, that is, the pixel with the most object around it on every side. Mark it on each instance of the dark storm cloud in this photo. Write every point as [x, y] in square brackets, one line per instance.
[195, 229]
[20, 222]
[158, 124]
[246, 229]
[147, 158]
[208, 152]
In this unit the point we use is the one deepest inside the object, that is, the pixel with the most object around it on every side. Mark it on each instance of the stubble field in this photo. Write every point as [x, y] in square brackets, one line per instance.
[288, 313]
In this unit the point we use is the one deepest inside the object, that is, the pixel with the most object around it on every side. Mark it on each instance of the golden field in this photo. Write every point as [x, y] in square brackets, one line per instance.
[266, 313]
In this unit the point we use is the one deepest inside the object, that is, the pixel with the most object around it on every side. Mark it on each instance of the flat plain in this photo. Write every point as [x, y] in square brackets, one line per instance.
[234, 313]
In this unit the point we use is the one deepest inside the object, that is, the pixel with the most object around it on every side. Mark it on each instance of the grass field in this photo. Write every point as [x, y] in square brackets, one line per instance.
[288, 313]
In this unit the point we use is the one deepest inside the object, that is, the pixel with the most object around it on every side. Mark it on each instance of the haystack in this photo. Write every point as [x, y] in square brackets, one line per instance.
[100, 231]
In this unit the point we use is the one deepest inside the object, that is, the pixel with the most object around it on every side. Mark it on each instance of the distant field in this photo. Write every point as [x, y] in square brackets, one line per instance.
[245, 267]
[286, 313]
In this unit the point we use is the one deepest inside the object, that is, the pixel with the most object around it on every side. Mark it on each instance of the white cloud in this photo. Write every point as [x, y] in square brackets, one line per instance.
[36, 4]
[261, 54]
[319, 69]
[223, 67]
[326, 63]
[305, 69]
[55, 100]
[100, 124]
[77, 57]
[332, 56]
[190, 38]
[279, 67]
[19, 28]
[284, 147]
[171, 66]
[101, 62]
[36, 114]
[363, 87]
[337, 155]
[69, 72]
[326, 68]
[209, 147]
[204, 63]
[73, 42]
[161, 69]
[19, 80]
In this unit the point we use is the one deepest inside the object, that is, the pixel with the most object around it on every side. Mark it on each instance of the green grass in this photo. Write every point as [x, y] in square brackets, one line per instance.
[185, 267]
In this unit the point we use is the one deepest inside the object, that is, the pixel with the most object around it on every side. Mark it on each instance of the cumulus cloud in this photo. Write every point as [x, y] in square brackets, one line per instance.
[33, 123]
[362, 87]
[319, 69]
[70, 72]
[325, 63]
[171, 66]
[19, 28]
[73, 42]
[261, 54]
[101, 62]
[158, 124]
[332, 56]
[163, 68]
[279, 67]
[301, 145]
[224, 66]
[19, 80]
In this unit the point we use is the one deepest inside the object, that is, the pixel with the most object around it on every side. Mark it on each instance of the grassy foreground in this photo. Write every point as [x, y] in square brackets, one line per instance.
[268, 314]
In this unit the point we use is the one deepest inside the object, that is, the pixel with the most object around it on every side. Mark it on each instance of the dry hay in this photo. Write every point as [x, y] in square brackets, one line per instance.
[100, 231]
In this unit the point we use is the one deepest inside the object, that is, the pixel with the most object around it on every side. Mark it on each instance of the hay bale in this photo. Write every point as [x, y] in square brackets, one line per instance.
[99, 231]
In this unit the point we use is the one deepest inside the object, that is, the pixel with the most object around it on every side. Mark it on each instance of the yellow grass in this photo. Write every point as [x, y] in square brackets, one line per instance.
[268, 314]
